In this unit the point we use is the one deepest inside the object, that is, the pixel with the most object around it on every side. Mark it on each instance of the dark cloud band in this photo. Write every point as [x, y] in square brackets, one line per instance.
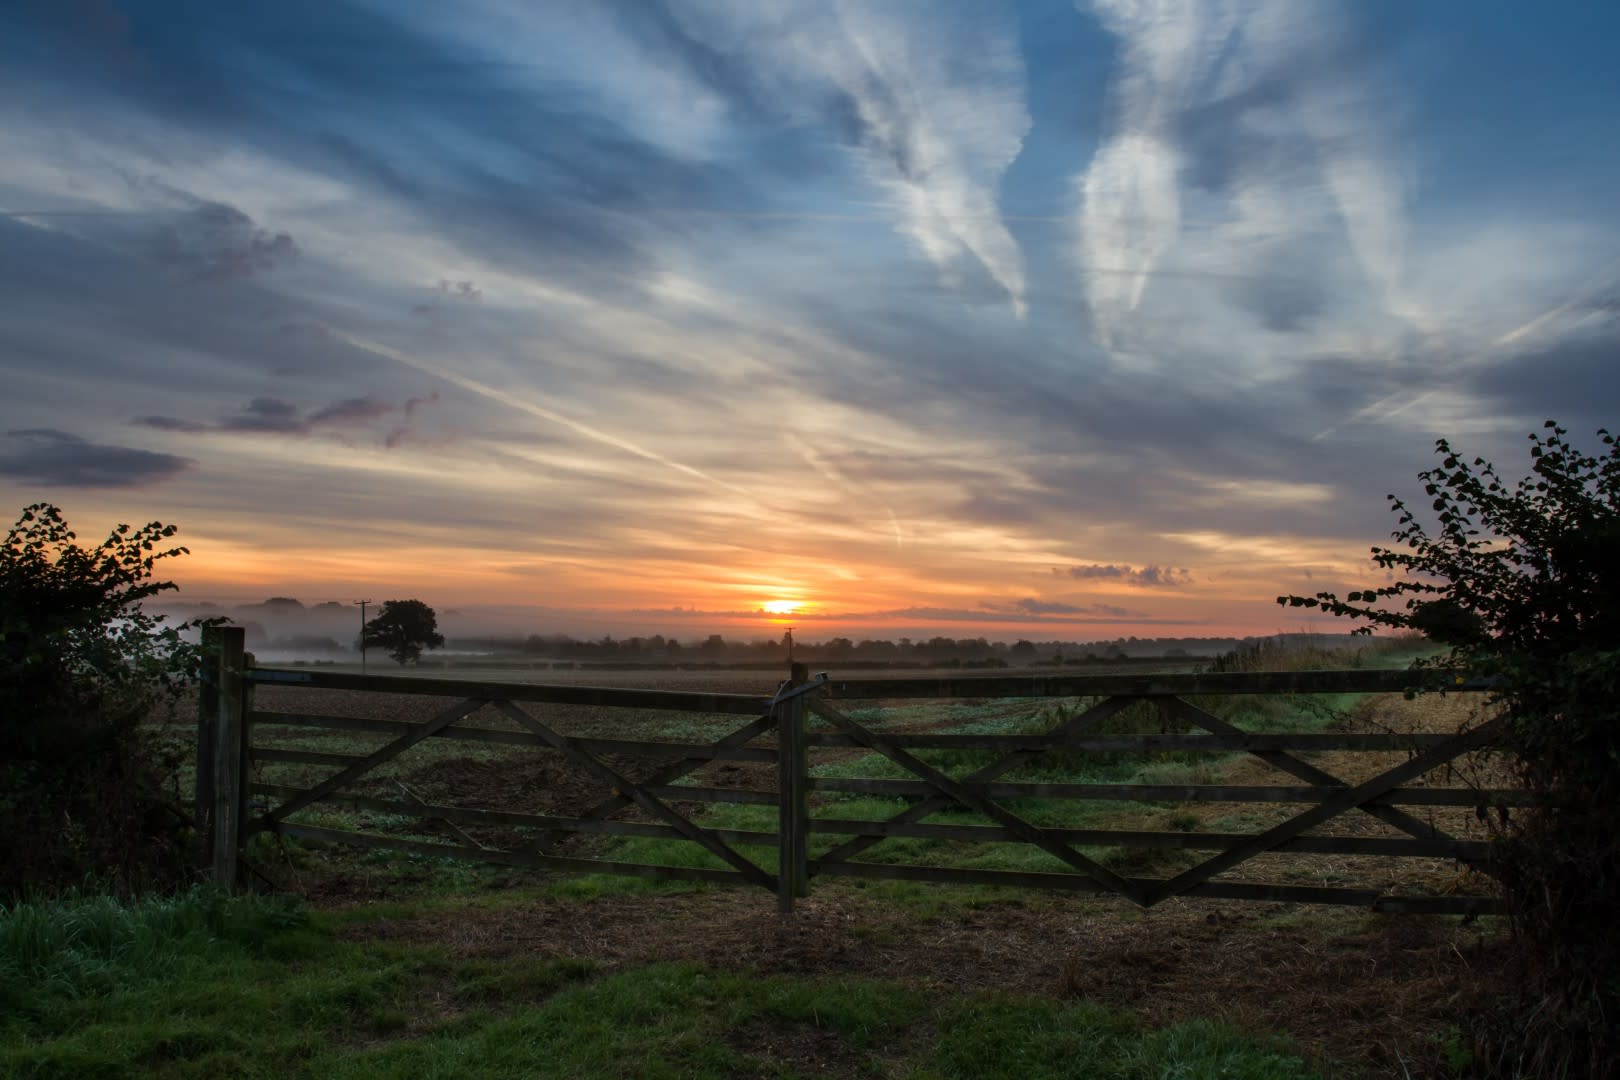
[59, 459]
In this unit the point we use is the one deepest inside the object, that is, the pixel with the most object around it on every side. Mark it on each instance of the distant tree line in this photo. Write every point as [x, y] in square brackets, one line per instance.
[934, 650]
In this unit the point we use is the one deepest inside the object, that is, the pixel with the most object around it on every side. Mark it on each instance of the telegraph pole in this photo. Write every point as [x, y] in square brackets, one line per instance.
[362, 604]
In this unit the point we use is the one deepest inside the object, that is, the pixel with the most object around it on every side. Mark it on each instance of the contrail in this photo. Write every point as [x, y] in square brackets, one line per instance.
[522, 405]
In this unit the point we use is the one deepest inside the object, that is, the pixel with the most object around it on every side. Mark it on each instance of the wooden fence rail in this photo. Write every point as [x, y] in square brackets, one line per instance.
[801, 743]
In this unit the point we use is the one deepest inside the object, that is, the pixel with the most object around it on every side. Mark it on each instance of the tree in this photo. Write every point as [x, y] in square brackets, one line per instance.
[81, 667]
[404, 628]
[1521, 583]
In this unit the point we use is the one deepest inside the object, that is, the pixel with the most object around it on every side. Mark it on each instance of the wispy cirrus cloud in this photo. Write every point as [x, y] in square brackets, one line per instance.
[1257, 121]
[724, 286]
[930, 99]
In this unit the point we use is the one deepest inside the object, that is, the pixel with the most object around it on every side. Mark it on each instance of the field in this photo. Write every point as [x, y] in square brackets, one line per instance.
[408, 965]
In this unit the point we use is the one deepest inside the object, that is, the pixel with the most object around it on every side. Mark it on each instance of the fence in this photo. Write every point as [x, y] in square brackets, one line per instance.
[803, 742]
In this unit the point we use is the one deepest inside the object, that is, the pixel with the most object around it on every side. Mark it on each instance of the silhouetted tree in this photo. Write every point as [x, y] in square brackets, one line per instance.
[1521, 582]
[404, 628]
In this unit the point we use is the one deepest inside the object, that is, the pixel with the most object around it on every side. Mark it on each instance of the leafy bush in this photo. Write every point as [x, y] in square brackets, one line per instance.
[1521, 584]
[81, 666]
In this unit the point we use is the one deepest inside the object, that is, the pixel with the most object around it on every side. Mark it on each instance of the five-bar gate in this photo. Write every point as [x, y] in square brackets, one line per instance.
[799, 752]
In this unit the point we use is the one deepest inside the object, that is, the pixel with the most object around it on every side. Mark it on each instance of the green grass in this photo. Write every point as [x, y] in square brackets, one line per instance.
[79, 947]
[205, 986]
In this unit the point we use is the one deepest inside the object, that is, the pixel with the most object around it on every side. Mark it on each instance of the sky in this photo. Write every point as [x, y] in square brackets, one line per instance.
[1043, 320]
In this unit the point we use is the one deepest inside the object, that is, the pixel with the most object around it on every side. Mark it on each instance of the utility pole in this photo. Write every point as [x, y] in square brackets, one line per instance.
[362, 604]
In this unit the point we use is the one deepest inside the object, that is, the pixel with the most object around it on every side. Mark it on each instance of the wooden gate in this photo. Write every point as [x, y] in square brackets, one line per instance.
[811, 738]
[987, 790]
[235, 806]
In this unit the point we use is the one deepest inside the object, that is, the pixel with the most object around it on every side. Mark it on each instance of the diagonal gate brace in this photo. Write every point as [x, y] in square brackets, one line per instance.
[1286, 762]
[1329, 808]
[957, 792]
[634, 793]
[1000, 767]
[382, 755]
[547, 841]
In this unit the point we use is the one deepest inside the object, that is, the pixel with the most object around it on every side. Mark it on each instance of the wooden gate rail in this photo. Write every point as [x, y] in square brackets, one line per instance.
[957, 792]
[1326, 796]
[1183, 841]
[228, 720]
[1144, 685]
[1376, 899]
[1159, 793]
[1017, 758]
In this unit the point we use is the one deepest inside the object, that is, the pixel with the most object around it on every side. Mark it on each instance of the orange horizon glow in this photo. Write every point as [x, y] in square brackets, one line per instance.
[692, 599]
[1004, 586]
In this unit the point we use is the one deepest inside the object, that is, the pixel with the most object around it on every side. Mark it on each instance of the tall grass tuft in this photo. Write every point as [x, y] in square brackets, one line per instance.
[82, 946]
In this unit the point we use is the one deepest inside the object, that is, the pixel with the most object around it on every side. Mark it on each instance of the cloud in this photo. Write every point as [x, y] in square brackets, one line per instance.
[929, 98]
[1148, 576]
[356, 410]
[400, 122]
[267, 414]
[172, 423]
[59, 459]
[213, 241]
[1032, 606]
[277, 416]
[1097, 613]
[461, 290]
[1261, 119]
[1035, 613]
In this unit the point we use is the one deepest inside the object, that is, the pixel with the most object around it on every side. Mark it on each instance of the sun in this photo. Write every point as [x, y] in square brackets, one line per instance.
[781, 607]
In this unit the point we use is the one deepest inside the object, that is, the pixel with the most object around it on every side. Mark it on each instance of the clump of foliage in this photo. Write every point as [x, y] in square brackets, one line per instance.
[1521, 583]
[81, 667]
[404, 628]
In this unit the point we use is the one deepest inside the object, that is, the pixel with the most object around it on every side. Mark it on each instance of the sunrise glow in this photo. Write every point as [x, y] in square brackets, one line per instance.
[1023, 320]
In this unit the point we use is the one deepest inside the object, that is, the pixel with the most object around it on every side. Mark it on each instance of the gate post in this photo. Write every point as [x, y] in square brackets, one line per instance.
[221, 750]
[207, 711]
[792, 769]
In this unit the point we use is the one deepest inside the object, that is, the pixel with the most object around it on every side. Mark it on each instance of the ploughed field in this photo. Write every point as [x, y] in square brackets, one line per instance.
[485, 963]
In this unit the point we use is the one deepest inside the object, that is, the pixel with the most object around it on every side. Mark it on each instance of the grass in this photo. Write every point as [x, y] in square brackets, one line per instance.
[84, 946]
[203, 985]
